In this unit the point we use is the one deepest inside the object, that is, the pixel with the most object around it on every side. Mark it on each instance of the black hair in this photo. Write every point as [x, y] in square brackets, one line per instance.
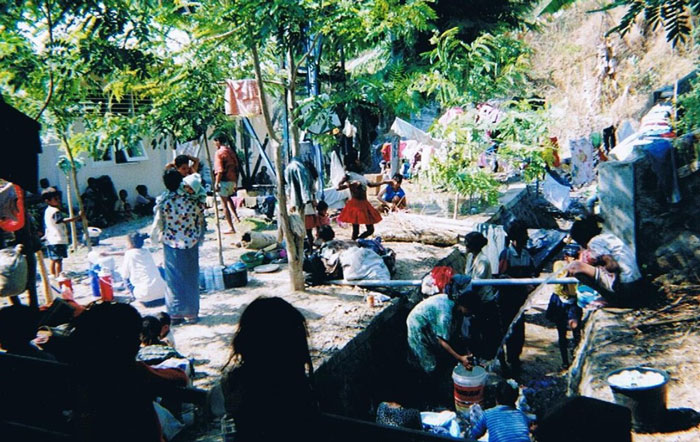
[222, 138]
[397, 177]
[506, 394]
[92, 181]
[469, 299]
[150, 330]
[172, 179]
[475, 241]
[123, 191]
[164, 318]
[272, 323]
[516, 230]
[350, 161]
[49, 193]
[322, 205]
[141, 189]
[44, 183]
[326, 233]
[136, 239]
[108, 335]
[583, 230]
[18, 326]
[181, 160]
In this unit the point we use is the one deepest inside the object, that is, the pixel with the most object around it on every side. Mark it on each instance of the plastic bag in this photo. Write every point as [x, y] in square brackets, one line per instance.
[359, 263]
[13, 271]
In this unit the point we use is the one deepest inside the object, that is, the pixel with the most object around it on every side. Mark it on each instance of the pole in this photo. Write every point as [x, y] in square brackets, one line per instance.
[475, 282]
[216, 202]
[44, 276]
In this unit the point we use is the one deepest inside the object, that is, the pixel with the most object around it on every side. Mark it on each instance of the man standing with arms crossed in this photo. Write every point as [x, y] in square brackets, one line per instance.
[226, 178]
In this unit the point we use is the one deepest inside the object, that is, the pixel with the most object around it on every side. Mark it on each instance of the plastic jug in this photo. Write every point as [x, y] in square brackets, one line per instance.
[106, 289]
[218, 278]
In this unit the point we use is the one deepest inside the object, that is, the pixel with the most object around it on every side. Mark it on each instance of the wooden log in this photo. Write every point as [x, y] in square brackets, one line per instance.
[44, 277]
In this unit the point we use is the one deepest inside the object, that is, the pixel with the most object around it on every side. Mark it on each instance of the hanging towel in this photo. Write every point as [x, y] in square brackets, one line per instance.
[582, 166]
[556, 193]
[242, 98]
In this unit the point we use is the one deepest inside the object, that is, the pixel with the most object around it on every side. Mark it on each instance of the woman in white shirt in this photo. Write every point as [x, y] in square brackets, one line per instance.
[488, 319]
[141, 273]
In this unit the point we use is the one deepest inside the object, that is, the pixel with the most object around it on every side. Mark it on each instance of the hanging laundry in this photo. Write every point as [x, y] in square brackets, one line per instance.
[348, 129]
[663, 162]
[496, 237]
[242, 98]
[582, 162]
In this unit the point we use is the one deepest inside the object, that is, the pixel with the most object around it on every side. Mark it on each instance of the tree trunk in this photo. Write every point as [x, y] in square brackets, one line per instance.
[290, 90]
[295, 259]
[216, 202]
[74, 174]
[73, 230]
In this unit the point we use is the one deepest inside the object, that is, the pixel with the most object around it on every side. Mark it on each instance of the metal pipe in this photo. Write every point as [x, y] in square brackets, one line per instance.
[476, 282]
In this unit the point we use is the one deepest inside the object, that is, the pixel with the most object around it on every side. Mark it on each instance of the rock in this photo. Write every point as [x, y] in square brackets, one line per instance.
[680, 258]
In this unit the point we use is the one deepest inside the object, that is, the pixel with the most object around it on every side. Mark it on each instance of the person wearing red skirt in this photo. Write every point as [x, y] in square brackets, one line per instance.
[358, 210]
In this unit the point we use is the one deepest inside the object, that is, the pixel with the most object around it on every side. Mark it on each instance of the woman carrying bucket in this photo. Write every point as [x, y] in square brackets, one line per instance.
[433, 328]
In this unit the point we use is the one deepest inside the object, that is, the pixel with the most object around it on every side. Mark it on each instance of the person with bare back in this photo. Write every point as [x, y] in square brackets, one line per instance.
[226, 178]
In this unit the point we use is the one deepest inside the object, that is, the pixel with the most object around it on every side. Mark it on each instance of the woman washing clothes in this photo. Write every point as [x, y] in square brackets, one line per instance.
[358, 210]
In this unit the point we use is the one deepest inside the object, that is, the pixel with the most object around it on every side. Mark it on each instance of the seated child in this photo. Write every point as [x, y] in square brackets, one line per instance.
[157, 353]
[166, 334]
[122, 206]
[563, 309]
[504, 422]
[140, 271]
[144, 202]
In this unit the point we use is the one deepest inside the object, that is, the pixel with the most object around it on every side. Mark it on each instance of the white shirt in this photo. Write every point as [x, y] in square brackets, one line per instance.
[141, 270]
[55, 230]
[479, 267]
[609, 244]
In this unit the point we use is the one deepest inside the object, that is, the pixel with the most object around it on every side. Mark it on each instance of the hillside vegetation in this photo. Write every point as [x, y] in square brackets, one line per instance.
[568, 49]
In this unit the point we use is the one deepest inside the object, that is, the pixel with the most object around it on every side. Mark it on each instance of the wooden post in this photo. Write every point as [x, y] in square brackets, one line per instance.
[73, 229]
[44, 277]
[74, 174]
[216, 202]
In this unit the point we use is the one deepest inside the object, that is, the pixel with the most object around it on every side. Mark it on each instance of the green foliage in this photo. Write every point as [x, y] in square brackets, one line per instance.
[689, 109]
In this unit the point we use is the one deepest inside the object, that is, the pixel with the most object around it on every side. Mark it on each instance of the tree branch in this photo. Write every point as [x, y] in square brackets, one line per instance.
[50, 93]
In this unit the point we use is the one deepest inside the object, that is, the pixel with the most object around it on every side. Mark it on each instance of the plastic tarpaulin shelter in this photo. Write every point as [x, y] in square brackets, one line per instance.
[405, 129]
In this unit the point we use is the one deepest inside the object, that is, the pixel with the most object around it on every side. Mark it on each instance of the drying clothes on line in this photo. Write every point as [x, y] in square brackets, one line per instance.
[336, 199]
[242, 98]
[299, 184]
[582, 162]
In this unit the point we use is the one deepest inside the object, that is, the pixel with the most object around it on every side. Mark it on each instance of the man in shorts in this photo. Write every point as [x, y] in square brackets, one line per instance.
[226, 178]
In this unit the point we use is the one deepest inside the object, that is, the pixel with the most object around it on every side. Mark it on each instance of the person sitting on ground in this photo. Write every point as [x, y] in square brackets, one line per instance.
[271, 364]
[433, 327]
[141, 273]
[166, 334]
[153, 351]
[105, 342]
[563, 309]
[122, 206]
[18, 327]
[504, 422]
[607, 264]
[392, 197]
[181, 163]
[262, 177]
[144, 202]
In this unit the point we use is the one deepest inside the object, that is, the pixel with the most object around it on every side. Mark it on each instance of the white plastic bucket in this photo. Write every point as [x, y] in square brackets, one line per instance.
[94, 235]
[468, 387]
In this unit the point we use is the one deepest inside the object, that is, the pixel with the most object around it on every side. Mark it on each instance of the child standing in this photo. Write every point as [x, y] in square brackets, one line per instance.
[563, 309]
[358, 210]
[55, 228]
[515, 262]
[323, 218]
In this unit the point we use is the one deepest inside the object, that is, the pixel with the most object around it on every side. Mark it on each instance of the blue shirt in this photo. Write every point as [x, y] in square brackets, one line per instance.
[504, 424]
[391, 193]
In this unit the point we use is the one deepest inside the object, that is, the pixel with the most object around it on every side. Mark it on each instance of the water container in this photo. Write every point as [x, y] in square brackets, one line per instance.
[218, 278]
[106, 289]
[209, 279]
[646, 401]
[94, 280]
[468, 387]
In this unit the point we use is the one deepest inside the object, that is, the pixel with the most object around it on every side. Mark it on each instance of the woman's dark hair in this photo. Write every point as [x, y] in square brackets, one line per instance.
[272, 333]
[181, 160]
[326, 233]
[516, 231]
[398, 177]
[150, 330]
[475, 241]
[584, 229]
[172, 179]
[107, 334]
[506, 394]
[164, 318]
[322, 205]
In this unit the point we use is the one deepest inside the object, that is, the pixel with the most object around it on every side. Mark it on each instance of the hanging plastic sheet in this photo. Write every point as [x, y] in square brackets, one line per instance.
[556, 193]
